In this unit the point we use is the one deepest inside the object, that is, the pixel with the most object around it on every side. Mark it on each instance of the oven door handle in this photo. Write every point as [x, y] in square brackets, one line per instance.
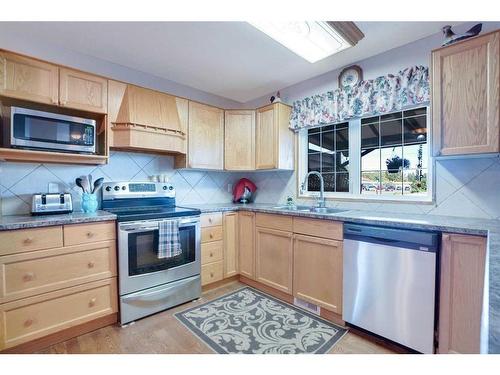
[138, 229]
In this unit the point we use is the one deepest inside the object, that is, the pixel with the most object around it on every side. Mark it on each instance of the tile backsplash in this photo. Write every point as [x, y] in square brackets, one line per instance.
[18, 181]
[467, 187]
[463, 187]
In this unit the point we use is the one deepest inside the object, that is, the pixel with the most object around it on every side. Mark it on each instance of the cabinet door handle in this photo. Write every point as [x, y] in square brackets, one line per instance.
[90, 234]
[28, 276]
[211, 274]
[28, 322]
[28, 240]
[92, 302]
[211, 255]
[90, 264]
[211, 235]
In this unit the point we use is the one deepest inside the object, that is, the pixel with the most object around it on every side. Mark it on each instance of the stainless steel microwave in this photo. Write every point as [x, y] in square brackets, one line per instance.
[31, 129]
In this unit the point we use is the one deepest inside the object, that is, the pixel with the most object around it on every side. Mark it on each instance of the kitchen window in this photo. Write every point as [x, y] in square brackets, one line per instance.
[328, 153]
[379, 157]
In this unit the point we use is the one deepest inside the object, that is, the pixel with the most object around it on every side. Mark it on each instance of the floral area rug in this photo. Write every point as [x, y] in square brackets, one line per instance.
[249, 322]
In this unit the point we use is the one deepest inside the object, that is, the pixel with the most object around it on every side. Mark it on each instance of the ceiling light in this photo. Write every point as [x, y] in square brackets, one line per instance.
[312, 40]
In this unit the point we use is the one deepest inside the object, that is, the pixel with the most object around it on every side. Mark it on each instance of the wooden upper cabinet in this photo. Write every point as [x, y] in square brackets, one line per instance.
[463, 260]
[28, 79]
[83, 91]
[274, 141]
[205, 137]
[317, 271]
[465, 96]
[246, 242]
[239, 140]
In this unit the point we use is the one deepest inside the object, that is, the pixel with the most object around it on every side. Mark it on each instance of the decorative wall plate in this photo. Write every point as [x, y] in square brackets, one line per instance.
[350, 76]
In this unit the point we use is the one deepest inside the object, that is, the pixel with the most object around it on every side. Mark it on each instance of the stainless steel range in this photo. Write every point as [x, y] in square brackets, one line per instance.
[147, 283]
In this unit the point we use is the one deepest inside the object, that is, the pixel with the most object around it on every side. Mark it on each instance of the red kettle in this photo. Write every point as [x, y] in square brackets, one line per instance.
[243, 191]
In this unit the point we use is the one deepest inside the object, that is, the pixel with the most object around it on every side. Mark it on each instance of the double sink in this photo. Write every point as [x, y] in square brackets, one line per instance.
[314, 209]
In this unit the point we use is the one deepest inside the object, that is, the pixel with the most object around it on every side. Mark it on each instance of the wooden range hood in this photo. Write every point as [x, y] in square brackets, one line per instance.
[147, 120]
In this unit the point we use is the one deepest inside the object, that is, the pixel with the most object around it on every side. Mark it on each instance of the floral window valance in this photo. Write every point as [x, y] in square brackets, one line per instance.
[389, 93]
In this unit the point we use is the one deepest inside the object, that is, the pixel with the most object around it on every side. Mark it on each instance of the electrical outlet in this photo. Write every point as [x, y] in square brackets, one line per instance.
[229, 188]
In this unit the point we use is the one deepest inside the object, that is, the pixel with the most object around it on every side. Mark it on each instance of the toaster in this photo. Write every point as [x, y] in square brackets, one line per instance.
[51, 203]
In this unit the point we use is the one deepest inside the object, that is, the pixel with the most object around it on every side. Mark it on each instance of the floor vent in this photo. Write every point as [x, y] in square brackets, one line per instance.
[311, 307]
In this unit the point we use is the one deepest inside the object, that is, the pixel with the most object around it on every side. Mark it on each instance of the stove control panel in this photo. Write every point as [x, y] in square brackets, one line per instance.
[137, 189]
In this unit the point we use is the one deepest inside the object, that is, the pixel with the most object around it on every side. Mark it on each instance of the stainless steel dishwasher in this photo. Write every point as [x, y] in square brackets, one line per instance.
[389, 283]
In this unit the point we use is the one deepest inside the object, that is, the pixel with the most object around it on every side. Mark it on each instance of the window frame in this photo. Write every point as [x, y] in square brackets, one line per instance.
[354, 193]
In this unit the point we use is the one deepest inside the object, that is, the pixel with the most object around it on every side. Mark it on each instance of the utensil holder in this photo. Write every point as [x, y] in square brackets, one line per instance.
[89, 203]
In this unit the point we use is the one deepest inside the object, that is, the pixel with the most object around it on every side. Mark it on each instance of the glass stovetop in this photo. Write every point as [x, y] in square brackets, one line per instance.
[145, 213]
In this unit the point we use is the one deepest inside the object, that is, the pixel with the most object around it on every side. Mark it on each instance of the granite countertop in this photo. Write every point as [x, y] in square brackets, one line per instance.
[27, 221]
[410, 221]
[489, 228]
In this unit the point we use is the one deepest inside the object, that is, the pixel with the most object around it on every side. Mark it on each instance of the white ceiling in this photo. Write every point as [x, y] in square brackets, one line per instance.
[229, 59]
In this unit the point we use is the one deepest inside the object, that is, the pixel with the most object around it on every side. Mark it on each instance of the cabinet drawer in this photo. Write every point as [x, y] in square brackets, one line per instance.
[18, 241]
[210, 234]
[318, 228]
[85, 233]
[279, 222]
[211, 272]
[211, 220]
[28, 274]
[31, 318]
[211, 252]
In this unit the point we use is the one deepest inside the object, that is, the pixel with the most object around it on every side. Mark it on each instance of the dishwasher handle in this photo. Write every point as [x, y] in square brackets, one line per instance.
[412, 239]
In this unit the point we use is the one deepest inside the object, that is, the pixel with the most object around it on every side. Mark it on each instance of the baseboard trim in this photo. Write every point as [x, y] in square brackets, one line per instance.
[267, 289]
[325, 314]
[219, 283]
[66, 334]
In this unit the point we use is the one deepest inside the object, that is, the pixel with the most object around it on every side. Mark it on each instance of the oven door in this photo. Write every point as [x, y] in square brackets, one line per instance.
[139, 265]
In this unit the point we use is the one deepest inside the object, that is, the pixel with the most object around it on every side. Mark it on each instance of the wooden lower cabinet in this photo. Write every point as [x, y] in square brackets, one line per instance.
[463, 260]
[56, 282]
[212, 252]
[230, 244]
[211, 219]
[274, 258]
[36, 272]
[31, 318]
[212, 248]
[23, 240]
[212, 234]
[246, 241]
[317, 271]
[212, 272]
[78, 234]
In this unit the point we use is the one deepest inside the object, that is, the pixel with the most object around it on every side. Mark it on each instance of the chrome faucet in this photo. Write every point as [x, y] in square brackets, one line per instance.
[321, 199]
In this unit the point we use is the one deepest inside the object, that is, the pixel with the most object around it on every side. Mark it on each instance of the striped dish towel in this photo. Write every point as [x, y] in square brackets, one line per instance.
[169, 244]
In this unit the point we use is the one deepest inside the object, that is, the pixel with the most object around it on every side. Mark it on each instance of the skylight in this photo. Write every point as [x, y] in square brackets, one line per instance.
[312, 40]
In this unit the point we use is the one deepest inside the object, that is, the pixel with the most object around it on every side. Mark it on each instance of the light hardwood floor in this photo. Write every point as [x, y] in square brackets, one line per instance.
[162, 333]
